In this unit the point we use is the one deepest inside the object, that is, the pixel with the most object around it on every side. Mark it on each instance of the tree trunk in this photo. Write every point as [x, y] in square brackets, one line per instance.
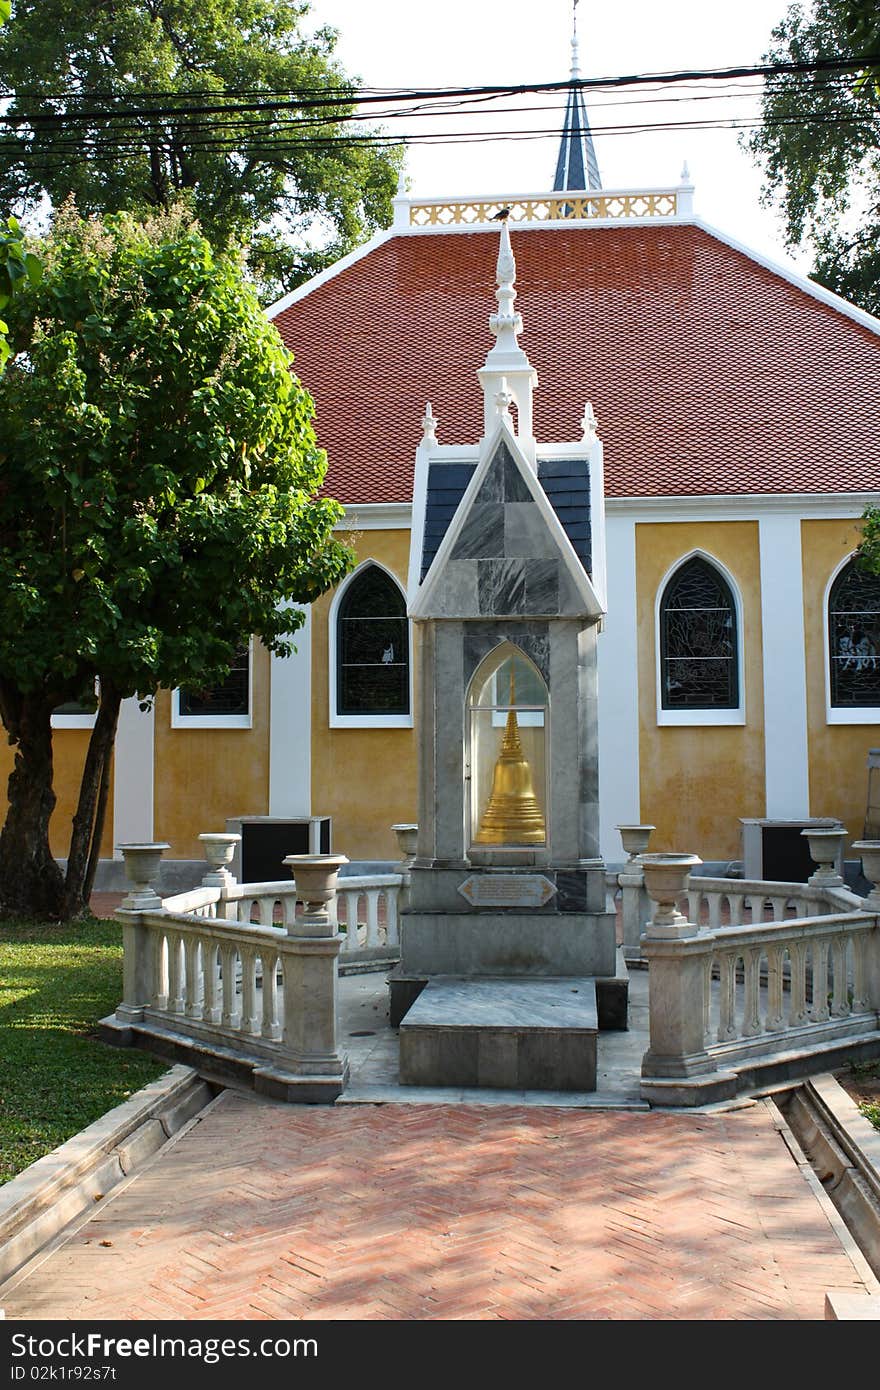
[88, 822]
[30, 881]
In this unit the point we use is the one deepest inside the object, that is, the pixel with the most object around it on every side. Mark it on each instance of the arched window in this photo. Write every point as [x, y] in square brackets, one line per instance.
[699, 645]
[372, 647]
[854, 639]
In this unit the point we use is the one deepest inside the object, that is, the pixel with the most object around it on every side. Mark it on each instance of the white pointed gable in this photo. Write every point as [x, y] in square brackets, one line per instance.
[505, 553]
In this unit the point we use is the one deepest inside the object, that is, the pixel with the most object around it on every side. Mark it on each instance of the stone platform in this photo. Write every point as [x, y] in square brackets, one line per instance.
[502, 1033]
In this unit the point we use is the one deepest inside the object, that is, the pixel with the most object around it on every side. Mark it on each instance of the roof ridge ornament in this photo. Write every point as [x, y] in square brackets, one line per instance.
[429, 427]
[589, 424]
[506, 322]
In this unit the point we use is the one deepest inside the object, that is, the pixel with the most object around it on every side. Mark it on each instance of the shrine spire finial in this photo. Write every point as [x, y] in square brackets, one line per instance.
[507, 376]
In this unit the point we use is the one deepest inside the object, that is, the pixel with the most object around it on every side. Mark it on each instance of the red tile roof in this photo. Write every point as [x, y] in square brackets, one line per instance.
[709, 373]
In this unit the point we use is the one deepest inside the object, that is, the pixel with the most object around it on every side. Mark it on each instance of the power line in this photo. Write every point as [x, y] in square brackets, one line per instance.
[314, 99]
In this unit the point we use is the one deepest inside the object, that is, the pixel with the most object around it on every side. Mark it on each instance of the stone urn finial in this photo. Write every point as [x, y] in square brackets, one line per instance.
[666, 878]
[634, 839]
[826, 844]
[142, 869]
[869, 851]
[219, 850]
[315, 876]
[407, 840]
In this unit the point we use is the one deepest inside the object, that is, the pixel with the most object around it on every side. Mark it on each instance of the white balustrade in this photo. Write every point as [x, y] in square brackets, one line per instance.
[366, 908]
[733, 994]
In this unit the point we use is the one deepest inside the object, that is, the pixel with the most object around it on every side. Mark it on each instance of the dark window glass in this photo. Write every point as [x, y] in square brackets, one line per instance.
[854, 638]
[698, 640]
[229, 697]
[372, 646]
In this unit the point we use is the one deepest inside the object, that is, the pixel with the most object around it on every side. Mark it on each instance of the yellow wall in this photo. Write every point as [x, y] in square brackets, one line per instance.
[366, 779]
[837, 752]
[68, 753]
[697, 781]
[203, 776]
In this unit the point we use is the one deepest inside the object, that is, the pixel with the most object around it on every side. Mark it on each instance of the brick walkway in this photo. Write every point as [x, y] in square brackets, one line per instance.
[431, 1212]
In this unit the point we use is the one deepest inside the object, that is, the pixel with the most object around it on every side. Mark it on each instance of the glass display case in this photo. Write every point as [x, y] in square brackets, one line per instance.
[507, 722]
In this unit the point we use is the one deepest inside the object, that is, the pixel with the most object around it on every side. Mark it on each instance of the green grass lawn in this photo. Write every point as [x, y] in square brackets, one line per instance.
[56, 981]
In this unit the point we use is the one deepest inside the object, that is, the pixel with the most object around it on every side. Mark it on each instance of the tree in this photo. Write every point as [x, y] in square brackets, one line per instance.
[819, 143]
[157, 476]
[16, 263]
[127, 104]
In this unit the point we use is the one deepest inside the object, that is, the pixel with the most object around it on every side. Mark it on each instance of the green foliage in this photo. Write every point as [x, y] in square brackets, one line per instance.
[819, 144]
[55, 983]
[157, 468]
[247, 175]
[869, 545]
[17, 266]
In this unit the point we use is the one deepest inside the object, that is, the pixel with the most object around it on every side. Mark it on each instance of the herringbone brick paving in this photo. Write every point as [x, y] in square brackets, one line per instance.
[265, 1211]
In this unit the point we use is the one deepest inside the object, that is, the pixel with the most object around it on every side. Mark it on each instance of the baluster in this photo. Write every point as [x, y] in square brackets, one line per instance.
[775, 1019]
[271, 1025]
[392, 929]
[352, 939]
[288, 909]
[727, 998]
[160, 971]
[250, 1023]
[777, 906]
[707, 1001]
[801, 907]
[820, 1011]
[694, 905]
[193, 983]
[372, 914]
[860, 973]
[840, 1003]
[797, 1009]
[211, 1011]
[231, 1013]
[175, 974]
[714, 900]
[266, 911]
[735, 903]
[751, 1025]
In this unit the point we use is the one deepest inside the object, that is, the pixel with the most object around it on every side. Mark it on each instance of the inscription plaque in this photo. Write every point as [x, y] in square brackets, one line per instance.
[507, 890]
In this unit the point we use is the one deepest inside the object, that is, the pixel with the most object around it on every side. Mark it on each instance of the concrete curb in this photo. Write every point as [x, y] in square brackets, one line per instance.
[52, 1192]
[844, 1152]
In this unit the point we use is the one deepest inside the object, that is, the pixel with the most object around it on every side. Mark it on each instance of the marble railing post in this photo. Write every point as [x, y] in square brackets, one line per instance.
[677, 991]
[142, 870]
[635, 903]
[677, 1066]
[869, 850]
[138, 986]
[314, 1067]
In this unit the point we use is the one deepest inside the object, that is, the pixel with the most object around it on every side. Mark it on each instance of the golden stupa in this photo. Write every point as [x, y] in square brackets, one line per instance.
[512, 816]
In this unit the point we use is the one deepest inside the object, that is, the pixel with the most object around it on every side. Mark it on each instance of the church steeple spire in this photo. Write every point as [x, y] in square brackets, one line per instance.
[577, 166]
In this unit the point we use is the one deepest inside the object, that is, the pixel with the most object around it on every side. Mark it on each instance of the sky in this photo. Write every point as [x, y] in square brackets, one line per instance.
[478, 42]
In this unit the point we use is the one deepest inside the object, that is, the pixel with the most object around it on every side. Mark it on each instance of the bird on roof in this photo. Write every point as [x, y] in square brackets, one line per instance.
[501, 215]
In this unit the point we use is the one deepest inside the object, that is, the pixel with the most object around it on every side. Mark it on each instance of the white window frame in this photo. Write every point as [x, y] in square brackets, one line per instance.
[76, 721]
[365, 721]
[840, 714]
[695, 718]
[217, 721]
